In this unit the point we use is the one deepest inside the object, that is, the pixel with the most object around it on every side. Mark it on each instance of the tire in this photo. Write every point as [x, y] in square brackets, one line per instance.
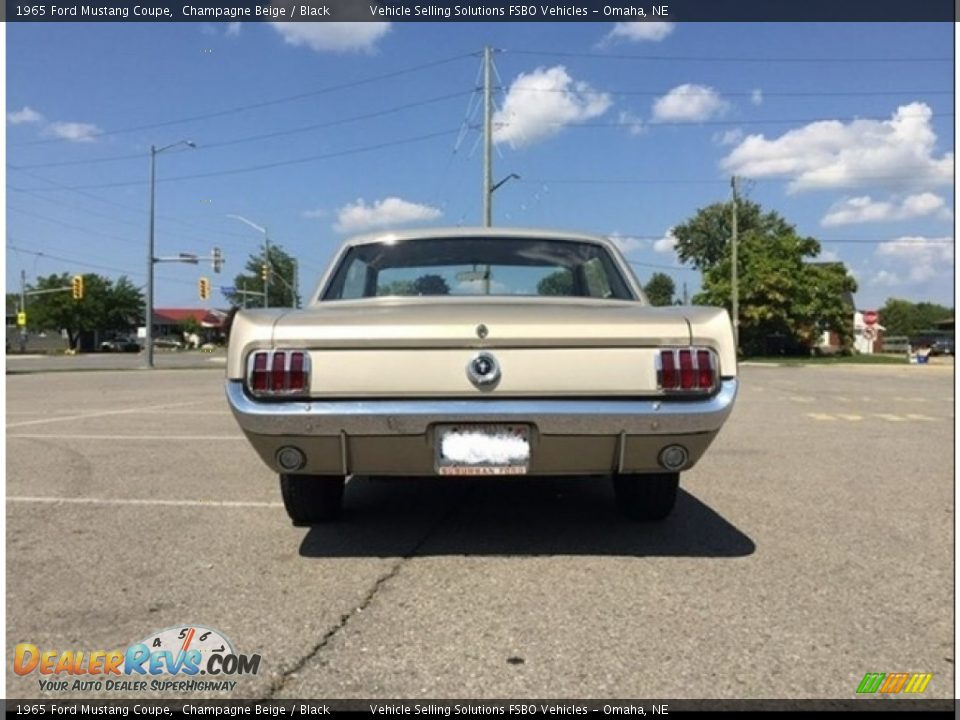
[312, 499]
[646, 497]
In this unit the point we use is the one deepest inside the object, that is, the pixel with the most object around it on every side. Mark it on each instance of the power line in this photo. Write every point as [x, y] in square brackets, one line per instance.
[264, 103]
[84, 263]
[733, 59]
[268, 166]
[765, 93]
[264, 136]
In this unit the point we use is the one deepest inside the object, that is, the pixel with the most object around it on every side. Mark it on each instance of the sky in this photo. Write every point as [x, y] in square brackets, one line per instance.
[316, 131]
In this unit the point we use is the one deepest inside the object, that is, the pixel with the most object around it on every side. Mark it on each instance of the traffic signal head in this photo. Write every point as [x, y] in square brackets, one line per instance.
[217, 259]
[263, 271]
[77, 287]
[204, 288]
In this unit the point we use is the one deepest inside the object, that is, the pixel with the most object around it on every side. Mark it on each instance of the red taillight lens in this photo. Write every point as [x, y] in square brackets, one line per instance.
[277, 374]
[686, 370]
[668, 371]
[258, 377]
[296, 378]
[704, 370]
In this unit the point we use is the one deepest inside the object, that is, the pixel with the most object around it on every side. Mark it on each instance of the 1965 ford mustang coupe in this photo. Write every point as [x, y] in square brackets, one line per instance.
[479, 351]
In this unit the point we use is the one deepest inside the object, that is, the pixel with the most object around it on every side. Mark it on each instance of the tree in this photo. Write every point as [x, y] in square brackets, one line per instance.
[782, 297]
[281, 282]
[704, 238]
[902, 317]
[660, 289]
[106, 305]
[431, 285]
[559, 282]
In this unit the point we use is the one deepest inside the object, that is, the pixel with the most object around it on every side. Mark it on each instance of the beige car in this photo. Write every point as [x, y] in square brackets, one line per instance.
[479, 351]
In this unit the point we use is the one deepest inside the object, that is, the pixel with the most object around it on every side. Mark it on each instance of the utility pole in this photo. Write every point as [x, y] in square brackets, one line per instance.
[148, 313]
[733, 267]
[23, 290]
[296, 285]
[266, 263]
[487, 140]
[686, 297]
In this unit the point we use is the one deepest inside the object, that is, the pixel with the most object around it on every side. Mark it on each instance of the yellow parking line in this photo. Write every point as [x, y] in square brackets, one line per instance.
[821, 416]
[890, 417]
[852, 418]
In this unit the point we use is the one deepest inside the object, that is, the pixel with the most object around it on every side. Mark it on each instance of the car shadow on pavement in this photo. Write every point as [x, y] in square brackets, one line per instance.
[400, 517]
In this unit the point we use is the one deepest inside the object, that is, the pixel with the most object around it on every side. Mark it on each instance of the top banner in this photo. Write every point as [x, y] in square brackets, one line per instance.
[483, 11]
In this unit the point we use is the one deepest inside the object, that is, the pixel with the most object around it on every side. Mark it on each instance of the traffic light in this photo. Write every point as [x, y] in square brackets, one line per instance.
[217, 259]
[77, 287]
[204, 288]
[264, 270]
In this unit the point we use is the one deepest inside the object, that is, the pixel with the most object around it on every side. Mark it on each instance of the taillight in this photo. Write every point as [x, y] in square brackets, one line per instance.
[278, 373]
[683, 370]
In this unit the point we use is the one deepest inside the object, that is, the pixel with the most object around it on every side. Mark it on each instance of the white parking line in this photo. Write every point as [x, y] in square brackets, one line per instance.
[179, 438]
[148, 502]
[83, 416]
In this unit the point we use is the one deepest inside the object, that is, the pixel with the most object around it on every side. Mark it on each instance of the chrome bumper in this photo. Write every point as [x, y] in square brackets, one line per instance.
[414, 417]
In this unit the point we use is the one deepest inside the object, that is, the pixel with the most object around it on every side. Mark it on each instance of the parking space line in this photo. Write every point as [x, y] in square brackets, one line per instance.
[178, 438]
[853, 418]
[84, 416]
[136, 501]
[821, 416]
[917, 416]
[890, 417]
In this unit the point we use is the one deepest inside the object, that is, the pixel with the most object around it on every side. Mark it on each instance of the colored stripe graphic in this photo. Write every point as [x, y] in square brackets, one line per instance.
[871, 682]
[894, 682]
[918, 683]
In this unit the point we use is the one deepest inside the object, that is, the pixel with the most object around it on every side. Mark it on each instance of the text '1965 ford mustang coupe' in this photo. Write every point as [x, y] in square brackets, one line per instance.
[480, 351]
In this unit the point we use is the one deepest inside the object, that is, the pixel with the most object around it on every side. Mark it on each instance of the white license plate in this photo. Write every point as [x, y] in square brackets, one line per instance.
[482, 449]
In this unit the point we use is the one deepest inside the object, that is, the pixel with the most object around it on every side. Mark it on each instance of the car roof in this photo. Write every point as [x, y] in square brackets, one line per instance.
[476, 232]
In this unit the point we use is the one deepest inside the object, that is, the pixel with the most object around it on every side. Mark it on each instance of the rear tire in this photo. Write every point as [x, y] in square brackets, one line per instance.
[312, 499]
[646, 497]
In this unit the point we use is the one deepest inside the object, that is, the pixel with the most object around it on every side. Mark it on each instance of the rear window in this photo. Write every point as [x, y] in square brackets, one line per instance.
[478, 266]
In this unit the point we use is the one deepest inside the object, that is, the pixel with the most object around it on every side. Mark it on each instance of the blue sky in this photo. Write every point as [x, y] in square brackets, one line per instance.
[604, 142]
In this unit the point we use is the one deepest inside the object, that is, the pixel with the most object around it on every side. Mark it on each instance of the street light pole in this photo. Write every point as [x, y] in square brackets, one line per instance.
[151, 256]
[266, 254]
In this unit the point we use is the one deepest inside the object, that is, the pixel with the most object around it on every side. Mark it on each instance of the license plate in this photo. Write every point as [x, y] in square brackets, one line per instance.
[482, 449]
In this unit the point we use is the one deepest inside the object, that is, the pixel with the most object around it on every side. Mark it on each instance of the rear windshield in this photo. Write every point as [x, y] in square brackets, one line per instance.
[478, 266]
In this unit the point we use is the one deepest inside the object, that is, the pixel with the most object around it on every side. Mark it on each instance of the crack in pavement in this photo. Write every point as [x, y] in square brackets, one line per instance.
[278, 684]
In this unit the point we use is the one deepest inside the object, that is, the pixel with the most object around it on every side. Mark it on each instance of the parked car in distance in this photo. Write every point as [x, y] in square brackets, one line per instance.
[480, 351]
[120, 344]
[171, 343]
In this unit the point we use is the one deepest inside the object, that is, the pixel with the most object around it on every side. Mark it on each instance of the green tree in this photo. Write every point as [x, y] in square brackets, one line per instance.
[903, 317]
[106, 306]
[703, 239]
[559, 283]
[282, 273]
[660, 289]
[431, 285]
[781, 294]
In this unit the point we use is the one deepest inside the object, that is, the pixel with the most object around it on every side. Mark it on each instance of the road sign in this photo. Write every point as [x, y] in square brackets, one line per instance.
[21, 319]
[870, 333]
[228, 290]
[870, 317]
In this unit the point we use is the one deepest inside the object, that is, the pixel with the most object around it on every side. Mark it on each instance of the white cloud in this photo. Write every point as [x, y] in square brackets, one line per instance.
[639, 31]
[666, 244]
[74, 131]
[923, 257]
[884, 278]
[634, 123]
[233, 29]
[864, 209]
[358, 216]
[689, 103]
[833, 154]
[728, 137]
[828, 256]
[333, 36]
[26, 115]
[756, 97]
[541, 103]
[627, 244]
[314, 214]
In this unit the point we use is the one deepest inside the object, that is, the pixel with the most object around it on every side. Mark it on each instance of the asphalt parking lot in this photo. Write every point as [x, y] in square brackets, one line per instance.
[813, 544]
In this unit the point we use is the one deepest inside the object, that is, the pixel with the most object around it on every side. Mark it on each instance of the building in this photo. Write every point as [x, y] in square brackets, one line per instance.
[169, 322]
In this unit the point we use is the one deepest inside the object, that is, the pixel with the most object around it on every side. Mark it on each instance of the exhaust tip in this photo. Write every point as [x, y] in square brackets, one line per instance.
[674, 457]
[290, 458]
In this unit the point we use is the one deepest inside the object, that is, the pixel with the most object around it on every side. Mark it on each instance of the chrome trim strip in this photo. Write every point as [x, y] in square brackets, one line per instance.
[655, 416]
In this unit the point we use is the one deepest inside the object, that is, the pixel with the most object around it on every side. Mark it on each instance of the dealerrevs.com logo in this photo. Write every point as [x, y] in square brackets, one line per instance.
[183, 658]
